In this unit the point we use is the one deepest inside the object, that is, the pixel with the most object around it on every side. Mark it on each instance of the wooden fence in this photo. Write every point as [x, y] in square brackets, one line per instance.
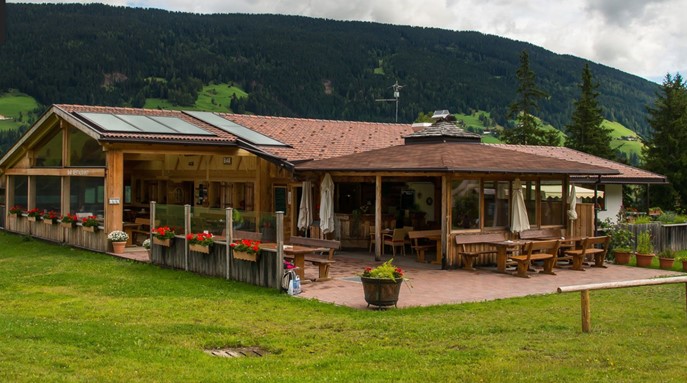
[266, 272]
[672, 236]
[584, 292]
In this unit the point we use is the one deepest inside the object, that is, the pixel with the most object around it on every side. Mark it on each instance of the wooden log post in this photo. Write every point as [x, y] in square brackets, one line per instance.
[229, 237]
[586, 312]
[280, 248]
[187, 230]
[584, 289]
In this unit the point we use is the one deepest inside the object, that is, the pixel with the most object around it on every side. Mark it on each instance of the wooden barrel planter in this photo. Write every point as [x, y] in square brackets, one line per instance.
[381, 292]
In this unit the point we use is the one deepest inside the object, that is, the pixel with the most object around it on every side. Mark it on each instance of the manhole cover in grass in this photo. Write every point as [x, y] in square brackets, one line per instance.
[237, 352]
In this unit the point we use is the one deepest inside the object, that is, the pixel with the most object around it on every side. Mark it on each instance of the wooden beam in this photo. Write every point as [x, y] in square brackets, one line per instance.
[114, 187]
[63, 172]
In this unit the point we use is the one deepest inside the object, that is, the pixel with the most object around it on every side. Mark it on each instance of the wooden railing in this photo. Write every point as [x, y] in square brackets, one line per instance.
[584, 292]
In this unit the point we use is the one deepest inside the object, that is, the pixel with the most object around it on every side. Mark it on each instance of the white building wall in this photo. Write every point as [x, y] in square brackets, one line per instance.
[614, 201]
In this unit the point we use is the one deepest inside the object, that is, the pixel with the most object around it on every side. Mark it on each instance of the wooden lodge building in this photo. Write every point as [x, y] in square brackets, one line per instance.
[111, 163]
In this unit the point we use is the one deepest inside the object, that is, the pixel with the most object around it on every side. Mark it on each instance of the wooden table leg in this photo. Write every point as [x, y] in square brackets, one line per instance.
[501, 259]
[437, 261]
[299, 262]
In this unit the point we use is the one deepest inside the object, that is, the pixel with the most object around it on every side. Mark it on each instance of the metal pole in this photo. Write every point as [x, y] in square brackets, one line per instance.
[228, 231]
[280, 248]
[187, 230]
[152, 226]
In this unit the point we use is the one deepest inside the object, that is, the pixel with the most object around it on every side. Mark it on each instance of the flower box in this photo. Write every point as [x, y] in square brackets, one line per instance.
[68, 224]
[162, 242]
[48, 222]
[91, 229]
[32, 218]
[243, 255]
[199, 248]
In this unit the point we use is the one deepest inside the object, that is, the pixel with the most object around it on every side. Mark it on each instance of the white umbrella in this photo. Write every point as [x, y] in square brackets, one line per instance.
[572, 200]
[572, 214]
[327, 204]
[519, 218]
[305, 209]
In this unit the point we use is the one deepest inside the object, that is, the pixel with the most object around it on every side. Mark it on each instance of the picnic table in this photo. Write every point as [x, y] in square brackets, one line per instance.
[298, 253]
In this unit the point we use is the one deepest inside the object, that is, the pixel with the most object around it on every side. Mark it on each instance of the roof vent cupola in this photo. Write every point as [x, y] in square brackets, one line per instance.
[444, 129]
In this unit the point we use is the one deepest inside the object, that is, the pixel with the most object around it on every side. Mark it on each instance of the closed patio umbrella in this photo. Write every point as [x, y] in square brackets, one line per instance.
[327, 204]
[519, 219]
[572, 214]
[305, 208]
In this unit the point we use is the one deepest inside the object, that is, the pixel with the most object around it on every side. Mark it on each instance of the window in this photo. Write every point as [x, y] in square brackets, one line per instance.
[496, 204]
[48, 193]
[21, 191]
[529, 192]
[49, 152]
[86, 195]
[552, 203]
[84, 151]
[465, 206]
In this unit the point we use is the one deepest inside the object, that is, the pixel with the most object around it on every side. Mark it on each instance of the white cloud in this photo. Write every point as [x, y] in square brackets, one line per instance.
[643, 37]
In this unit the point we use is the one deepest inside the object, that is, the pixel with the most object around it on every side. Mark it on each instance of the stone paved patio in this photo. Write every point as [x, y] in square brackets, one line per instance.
[433, 286]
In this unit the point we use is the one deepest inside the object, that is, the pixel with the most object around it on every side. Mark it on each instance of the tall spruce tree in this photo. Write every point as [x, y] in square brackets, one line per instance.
[666, 150]
[526, 130]
[586, 132]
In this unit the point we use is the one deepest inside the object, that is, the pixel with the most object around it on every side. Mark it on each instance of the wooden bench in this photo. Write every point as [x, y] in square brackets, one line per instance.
[548, 233]
[469, 256]
[419, 246]
[143, 228]
[322, 264]
[329, 244]
[537, 251]
[590, 247]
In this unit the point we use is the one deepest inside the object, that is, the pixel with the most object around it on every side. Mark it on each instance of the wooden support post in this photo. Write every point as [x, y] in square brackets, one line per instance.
[378, 218]
[586, 312]
[229, 234]
[187, 230]
[280, 248]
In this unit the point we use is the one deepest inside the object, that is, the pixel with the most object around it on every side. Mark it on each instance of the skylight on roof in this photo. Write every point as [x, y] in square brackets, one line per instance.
[237, 130]
[130, 123]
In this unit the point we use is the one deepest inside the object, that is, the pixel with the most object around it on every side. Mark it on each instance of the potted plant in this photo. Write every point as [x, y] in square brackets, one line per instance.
[682, 257]
[163, 236]
[645, 249]
[69, 220]
[16, 210]
[146, 245]
[118, 239]
[90, 223]
[666, 259]
[50, 217]
[200, 242]
[621, 244]
[382, 284]
[246, 250]
[34, 214]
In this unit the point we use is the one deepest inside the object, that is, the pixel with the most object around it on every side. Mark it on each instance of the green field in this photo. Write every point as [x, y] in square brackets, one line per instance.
[70, 315]
[220, 93]
[16, 106]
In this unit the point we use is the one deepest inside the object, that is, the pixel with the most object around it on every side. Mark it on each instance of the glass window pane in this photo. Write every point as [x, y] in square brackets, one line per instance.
[465, 205]
[86, 195]
[49, 152]
[21, 191]
[48, 190]
[552, 203]
[496, 204]
[84, 151]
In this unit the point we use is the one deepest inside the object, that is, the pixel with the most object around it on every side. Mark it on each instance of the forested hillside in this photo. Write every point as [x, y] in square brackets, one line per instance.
[289, 66]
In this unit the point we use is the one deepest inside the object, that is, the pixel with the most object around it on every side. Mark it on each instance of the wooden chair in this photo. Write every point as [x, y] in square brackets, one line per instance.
[395, 239]
[537, 251]
[596, 246]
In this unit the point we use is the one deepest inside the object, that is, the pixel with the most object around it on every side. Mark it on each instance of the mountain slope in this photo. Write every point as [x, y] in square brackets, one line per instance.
[291, 66]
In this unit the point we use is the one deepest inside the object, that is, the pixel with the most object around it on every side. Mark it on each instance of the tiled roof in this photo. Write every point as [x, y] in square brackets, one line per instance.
[627, 174]
[441, 130]
[320, 139]
[453, 157]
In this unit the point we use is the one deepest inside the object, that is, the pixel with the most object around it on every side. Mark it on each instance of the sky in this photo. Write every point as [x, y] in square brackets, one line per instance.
[647, 38]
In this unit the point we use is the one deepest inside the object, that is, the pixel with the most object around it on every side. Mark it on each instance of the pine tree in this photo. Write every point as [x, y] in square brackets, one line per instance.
[526, 130]
[586, 132]
[666, 150]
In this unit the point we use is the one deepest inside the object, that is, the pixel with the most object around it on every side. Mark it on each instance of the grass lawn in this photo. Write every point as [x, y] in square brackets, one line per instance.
[16, 105]
[70, 315]
[220, 93]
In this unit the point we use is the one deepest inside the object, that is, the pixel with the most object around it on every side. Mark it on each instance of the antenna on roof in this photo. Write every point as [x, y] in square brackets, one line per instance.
[397, 94]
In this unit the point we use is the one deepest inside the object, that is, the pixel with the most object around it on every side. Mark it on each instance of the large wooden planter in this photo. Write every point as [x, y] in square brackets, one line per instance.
[246, 256]
[199, 248]
[167, 242]
[381, 292]
[644, 260]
